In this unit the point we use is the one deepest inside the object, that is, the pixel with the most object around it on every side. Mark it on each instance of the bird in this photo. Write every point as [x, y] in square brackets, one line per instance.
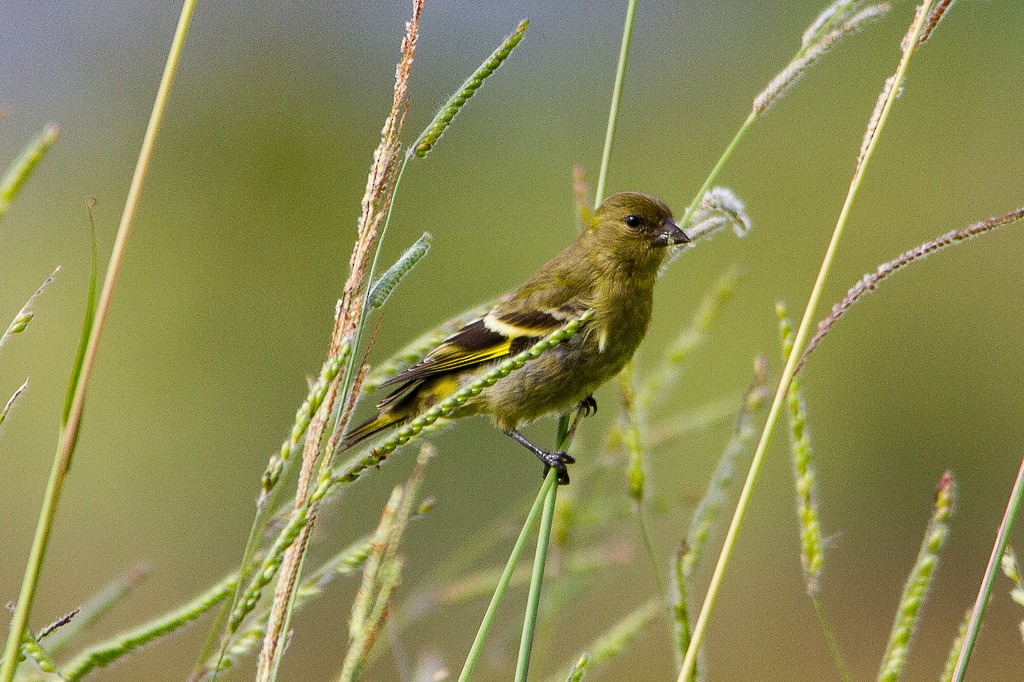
[610, 268]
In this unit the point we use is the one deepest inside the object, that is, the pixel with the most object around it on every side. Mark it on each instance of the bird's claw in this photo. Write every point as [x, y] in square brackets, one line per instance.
[588, 406]
[558, 460]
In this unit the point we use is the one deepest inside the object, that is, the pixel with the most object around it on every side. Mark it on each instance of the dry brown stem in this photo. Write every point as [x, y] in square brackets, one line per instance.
[348, 315]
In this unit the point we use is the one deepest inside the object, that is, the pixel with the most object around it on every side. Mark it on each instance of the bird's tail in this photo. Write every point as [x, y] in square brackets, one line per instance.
[372, 427]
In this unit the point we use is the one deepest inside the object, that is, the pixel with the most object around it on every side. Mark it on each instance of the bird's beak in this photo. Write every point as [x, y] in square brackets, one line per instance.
[670, 234]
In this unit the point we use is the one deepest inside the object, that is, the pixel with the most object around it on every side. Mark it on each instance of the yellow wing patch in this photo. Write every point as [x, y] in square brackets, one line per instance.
[472, 345]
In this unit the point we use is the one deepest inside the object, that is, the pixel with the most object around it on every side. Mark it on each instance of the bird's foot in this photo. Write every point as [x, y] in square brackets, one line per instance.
[588, 406]
[557, 460]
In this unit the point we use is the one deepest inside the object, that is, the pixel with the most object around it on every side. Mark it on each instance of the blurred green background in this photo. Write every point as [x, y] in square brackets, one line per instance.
[241, 245]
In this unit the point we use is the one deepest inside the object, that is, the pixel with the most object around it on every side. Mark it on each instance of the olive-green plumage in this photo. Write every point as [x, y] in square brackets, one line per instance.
[611, 268]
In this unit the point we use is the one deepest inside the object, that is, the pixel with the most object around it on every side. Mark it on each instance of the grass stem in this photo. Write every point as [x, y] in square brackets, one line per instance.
[871, 141]
[985, 591]
[613, 112]
[537, 578]
[69, 432]
[717, 170]
[506, 576]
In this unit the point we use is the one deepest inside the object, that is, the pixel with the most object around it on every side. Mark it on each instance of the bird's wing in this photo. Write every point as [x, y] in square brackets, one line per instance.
[506, 330]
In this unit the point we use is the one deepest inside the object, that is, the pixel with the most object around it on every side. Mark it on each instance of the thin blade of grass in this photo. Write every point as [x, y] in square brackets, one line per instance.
[88, 321]
[72, 413]
[875, 126]
[987, 583]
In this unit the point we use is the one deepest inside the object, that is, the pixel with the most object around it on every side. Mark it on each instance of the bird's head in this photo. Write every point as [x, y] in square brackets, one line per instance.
[637, 221]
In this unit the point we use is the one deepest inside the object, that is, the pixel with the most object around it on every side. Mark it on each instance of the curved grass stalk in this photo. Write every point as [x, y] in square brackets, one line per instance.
[871, 281]
[107, 653]
[835, 22]
[874, 130]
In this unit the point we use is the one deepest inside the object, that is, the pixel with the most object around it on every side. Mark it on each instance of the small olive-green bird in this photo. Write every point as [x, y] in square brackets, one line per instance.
[610, 268]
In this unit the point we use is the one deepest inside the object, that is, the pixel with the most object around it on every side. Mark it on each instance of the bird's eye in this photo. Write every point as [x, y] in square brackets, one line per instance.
[633, 220]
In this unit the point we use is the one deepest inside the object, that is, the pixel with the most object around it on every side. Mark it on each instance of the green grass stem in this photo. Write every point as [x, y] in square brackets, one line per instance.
[987, 583]
[954, 650]
[473, 657]
[613, 111]
[537, 578]
[69, 433]
[871, 141]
